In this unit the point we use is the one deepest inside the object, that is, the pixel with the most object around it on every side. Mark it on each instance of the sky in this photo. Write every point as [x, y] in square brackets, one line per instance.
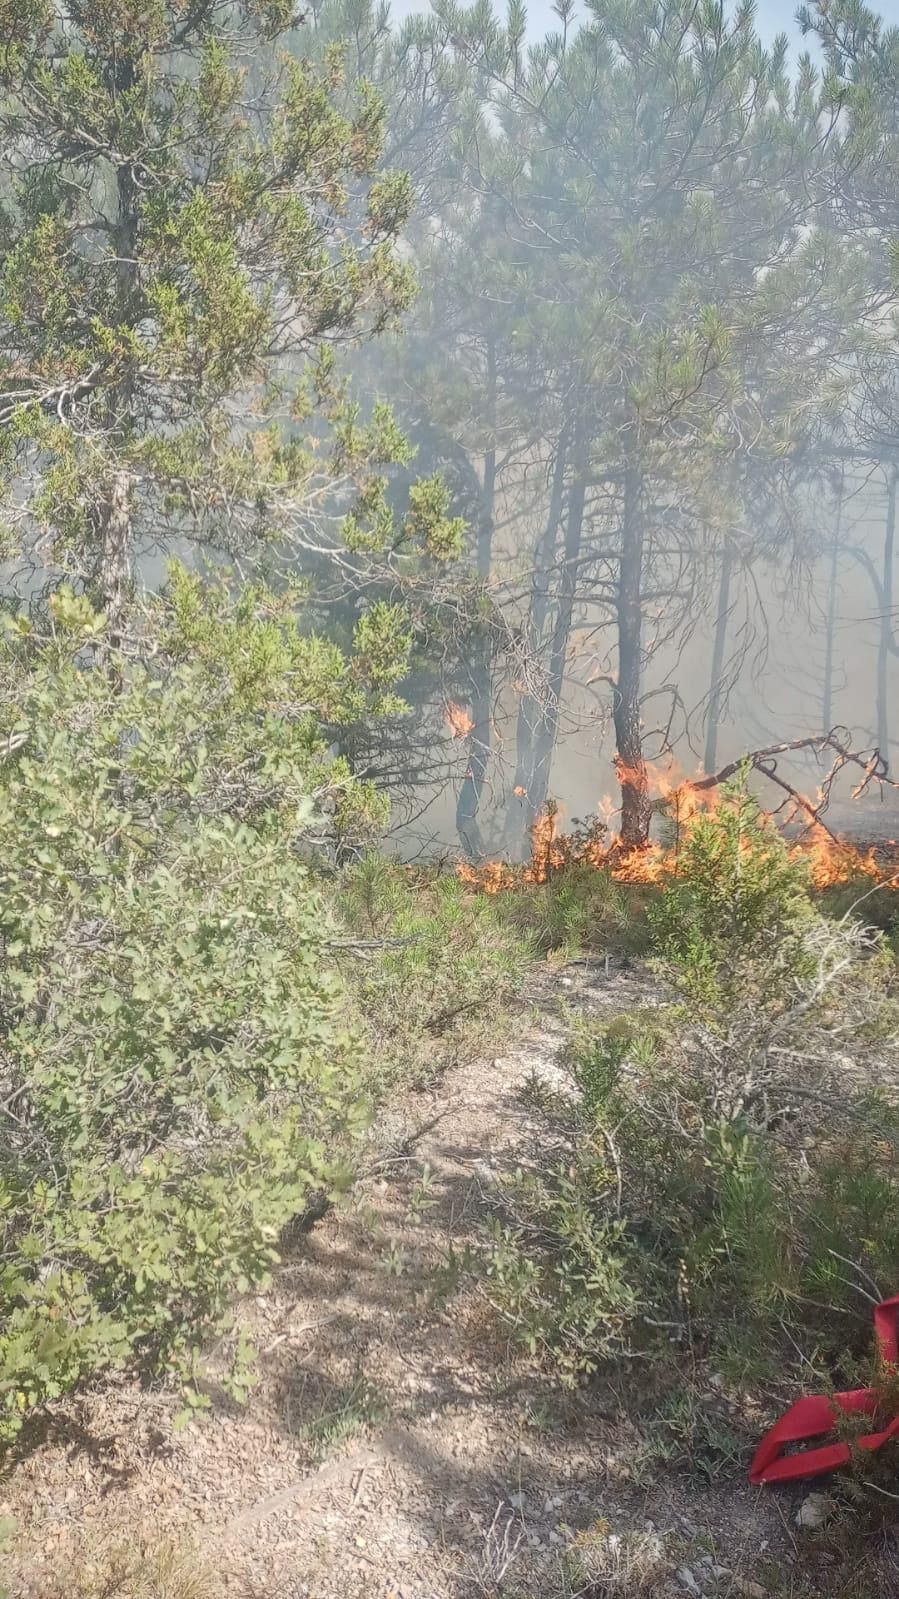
[774, 16]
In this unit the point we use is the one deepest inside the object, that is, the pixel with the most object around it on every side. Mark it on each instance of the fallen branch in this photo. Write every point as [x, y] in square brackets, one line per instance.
[871, 764]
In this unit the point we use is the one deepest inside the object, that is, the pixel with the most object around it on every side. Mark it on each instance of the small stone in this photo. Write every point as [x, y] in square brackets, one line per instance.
[814, 1511]
[748, 1589]
[516, 1501]
[687, 1580]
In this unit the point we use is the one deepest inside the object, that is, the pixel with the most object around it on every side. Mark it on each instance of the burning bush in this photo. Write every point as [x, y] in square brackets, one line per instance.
[719, 1179]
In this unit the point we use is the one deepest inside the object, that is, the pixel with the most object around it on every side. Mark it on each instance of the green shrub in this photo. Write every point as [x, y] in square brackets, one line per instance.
[560, 1265]
[732, 926]
[706, 1183]
[434, 969]
[579, 907]
[173, 1076]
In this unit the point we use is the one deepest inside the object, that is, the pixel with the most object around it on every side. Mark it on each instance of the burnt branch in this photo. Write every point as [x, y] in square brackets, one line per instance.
[871, 765]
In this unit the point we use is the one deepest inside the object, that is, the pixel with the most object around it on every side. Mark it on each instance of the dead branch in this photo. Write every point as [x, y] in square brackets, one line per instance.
[871, 764]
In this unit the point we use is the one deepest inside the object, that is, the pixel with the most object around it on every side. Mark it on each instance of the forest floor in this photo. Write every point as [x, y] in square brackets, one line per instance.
[394, 1447]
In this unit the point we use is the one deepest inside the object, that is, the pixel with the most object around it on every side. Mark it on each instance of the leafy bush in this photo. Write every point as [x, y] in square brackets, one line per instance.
[715, 1177]
[173, 1076]
[433, 967]
[560, 1266]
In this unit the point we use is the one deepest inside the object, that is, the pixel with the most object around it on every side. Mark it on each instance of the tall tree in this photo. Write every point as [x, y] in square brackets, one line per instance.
[661, 175]
[862, 62]
[192, 222]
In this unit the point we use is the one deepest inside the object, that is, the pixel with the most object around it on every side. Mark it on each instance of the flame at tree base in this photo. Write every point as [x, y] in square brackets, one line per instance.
[832, 862]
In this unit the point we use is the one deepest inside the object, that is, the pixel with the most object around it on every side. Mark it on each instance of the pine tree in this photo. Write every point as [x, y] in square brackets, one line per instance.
[194, 220]
[684, 312]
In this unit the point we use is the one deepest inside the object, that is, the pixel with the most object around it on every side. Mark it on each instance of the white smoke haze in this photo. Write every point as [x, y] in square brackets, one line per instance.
[654, 351]
[655, 356]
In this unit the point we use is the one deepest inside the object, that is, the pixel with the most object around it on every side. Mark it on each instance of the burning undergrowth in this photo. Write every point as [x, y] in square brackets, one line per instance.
[675, 802]
[718, 1190]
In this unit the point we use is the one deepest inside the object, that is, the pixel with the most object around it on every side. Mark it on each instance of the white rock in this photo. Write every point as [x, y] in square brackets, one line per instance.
[814, 1511]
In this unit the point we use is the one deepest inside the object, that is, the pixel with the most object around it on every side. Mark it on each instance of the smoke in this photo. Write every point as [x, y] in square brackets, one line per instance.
[639, 358]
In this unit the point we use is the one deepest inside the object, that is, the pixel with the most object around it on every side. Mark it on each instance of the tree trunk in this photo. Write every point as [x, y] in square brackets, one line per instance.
[479, 742]
[114, 565]
[115, 510]
[635, 806]
[831, 625]
[886, 622]
[546, 549]
[722, 615]
[520, 813]
[114, 574]
[548, 728]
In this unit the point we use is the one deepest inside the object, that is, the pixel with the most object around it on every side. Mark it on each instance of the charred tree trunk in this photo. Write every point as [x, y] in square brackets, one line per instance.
[479, 742]
[636, 811]
[548, 729]
[886, 621]
[831, 624]
[521, 814]
[722, 615]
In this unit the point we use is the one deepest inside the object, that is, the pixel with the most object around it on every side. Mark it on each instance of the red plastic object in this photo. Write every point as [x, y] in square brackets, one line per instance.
[816, 1417]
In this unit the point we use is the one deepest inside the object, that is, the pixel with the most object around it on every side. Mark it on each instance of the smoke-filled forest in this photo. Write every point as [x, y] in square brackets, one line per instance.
[449, 801]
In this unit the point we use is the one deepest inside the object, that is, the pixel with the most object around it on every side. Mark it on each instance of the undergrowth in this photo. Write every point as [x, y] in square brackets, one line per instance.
[580, 908]
[432, 969]
[725, 1188]
[108, 1568]
[347, 1412]
[183, 1071]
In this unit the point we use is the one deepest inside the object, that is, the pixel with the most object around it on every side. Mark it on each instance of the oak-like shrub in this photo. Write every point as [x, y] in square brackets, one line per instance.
[173, 1080]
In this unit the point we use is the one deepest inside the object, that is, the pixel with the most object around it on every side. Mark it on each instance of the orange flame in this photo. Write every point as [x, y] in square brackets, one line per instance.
[832, 861]
[458, 720]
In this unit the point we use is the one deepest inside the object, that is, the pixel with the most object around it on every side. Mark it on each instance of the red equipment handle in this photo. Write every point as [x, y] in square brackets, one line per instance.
[816, 1416]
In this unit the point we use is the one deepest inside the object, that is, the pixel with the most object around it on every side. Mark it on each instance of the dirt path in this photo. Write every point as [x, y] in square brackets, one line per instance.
[392, 1446]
